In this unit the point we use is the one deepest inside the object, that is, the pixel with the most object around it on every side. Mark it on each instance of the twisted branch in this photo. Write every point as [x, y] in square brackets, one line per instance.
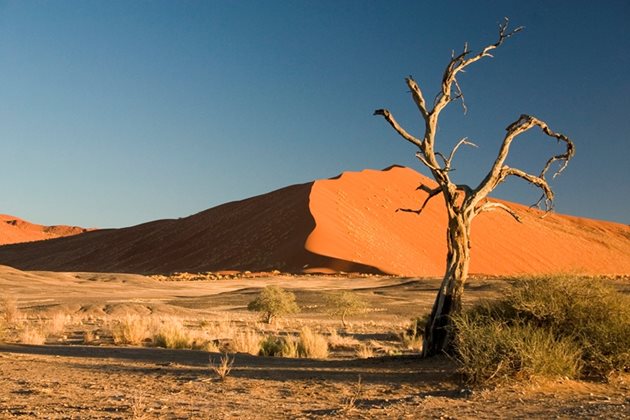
[460, 62]
[490, 206]
[392, 121]
[499, 172]
[432, 193]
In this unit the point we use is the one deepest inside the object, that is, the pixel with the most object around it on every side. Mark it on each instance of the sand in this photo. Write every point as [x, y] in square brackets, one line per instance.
[349, 224]
[15, 230]
[67, 379]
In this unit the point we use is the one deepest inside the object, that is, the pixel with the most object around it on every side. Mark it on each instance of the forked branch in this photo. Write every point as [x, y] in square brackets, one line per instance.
[459, 62]
[499, 171]
[448, 160]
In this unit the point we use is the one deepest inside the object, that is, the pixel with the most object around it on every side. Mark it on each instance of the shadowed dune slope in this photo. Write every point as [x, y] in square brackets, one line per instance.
[348, 223]
[260, 233]
[15, 230]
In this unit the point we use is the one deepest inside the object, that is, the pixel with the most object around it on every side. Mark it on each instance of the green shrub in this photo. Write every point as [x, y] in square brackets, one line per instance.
[272, 302]
[412, 336]
[308, 344]
[490, 351]
[344, 304]
[279, 346]
[549, 326]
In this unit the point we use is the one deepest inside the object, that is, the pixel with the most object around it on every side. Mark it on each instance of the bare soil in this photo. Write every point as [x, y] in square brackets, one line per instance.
[66, 380]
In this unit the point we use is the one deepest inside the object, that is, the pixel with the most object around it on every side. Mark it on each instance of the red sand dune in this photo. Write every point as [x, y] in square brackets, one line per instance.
[348, 223]
[14, 230]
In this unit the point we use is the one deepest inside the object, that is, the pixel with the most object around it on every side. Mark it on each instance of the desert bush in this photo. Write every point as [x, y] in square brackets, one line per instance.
[131, 329]
[271, 346]
[286, 346]
[491, 351]
[412, 336]
[308, 345]
[344, 304]
[312, 344]
[272, 302]
[546, 326]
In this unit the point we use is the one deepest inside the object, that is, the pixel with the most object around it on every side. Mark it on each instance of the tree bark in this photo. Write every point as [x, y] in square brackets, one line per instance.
[437, 333]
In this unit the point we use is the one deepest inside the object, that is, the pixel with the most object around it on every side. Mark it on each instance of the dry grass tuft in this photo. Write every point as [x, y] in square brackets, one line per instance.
[32, 335]
[312, 345]
[9, 311]
[248, 341]
[56, 324]
[337, 341]
[223, 368]
[364, 351]
[351, 402]
[131, 329]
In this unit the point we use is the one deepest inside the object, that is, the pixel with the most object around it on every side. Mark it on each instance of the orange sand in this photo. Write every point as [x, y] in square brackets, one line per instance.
[14, 230]
[348, 223]
[356, 220]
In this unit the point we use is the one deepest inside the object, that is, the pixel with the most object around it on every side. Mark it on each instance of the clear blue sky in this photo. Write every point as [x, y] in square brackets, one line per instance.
[117, 113]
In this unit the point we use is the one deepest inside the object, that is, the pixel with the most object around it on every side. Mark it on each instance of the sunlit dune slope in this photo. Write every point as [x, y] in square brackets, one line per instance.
[14, 230]
[356, 220]
[348, 223]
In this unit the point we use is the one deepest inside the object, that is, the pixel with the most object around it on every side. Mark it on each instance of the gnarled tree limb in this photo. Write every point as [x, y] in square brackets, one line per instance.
[392, 121]
[499, 171]
[460, 62]
[490, 206]
[418, 98]
[432, 193]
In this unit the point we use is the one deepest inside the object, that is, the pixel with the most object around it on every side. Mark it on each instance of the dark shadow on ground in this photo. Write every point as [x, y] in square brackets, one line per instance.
[192, 364]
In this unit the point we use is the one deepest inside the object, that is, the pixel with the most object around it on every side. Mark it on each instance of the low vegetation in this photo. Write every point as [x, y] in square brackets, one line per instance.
[131, 329]
[274, 302]
[547, 326]
[344, 304]
[223, 367]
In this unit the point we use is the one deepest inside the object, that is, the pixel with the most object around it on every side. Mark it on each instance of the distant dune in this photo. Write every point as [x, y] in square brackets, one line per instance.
[15, 230]
[348, 223]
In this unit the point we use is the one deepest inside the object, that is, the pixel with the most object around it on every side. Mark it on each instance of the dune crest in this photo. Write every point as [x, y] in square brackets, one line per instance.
[356, 220]
[15, 230]
[347, 223]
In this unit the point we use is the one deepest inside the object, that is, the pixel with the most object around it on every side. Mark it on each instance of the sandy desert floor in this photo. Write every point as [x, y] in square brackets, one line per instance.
[65, 378]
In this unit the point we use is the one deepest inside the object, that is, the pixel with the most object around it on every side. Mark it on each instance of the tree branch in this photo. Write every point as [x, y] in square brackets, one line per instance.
[418, 98]
[432, 193]
[460, 62]
[499, 171]
[426, 163]
[390, 119]
[490, 206]
[447, 161]
[540, 182]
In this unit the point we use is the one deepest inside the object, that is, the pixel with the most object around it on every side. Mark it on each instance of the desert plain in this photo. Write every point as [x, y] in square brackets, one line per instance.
[79, 372]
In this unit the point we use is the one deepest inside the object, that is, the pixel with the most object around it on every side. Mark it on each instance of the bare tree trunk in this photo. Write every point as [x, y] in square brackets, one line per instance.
[462, 209]
[449, 299]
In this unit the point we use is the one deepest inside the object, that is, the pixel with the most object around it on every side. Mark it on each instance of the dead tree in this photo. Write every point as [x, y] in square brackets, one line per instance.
[464, 203]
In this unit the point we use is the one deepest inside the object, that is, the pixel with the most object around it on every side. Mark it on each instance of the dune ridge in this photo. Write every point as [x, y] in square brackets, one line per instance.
[15, 230]
[347, 223]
